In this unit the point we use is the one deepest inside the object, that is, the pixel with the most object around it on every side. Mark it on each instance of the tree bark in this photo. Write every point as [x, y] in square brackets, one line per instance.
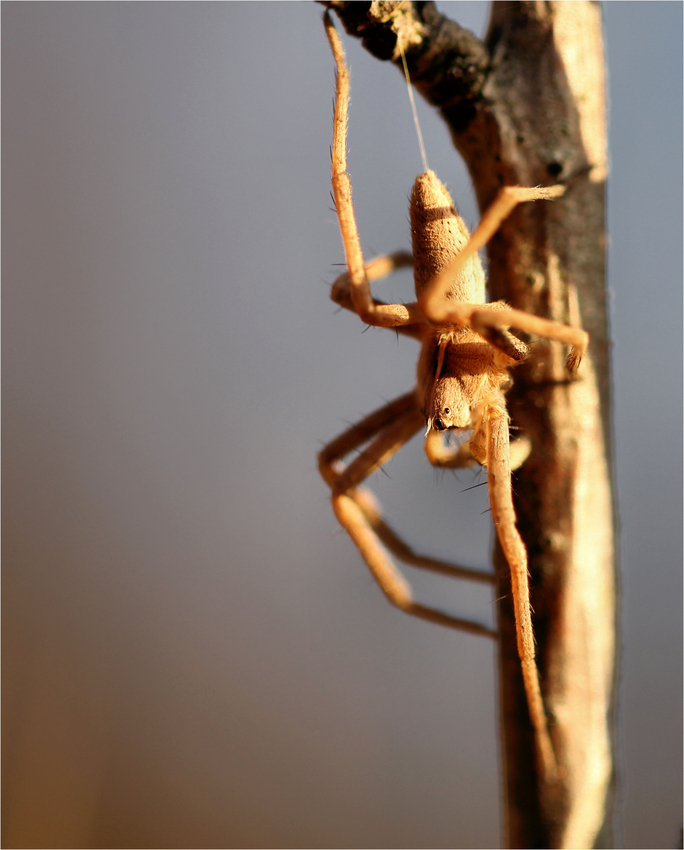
[527, 107]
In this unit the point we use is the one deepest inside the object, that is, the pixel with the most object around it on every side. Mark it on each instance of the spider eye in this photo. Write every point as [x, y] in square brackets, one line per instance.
[446, 411]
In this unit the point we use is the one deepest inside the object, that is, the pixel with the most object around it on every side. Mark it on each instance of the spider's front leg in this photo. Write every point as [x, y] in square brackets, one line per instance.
[461, 457]
[496, 427]
[386, 431]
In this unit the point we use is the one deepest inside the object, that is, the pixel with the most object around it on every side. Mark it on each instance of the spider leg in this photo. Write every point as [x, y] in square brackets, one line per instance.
[503, 513]
[376, 269]
[520, 449]
[444, 457]
[400, 549]
[388, 429]
[397, 590]
[461, 457]
[482, 320]
[489, 320]
[508, 197]
[382, 315]
[500, 337]
[360, 433]
[392, 426]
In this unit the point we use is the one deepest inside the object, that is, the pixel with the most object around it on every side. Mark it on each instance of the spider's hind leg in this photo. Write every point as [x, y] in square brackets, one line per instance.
[500, 337]
[491, 320]
[377, 268]
[382, 315]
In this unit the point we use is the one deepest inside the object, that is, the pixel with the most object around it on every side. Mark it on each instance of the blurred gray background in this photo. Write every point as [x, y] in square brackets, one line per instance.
[194, 656]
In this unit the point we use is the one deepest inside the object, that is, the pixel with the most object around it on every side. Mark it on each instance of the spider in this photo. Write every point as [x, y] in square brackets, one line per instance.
[463, 371]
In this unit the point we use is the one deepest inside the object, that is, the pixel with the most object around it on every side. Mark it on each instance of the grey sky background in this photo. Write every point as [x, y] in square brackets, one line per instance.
[193, 655]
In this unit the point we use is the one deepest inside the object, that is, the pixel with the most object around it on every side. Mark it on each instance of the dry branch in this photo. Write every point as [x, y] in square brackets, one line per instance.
[526, 107]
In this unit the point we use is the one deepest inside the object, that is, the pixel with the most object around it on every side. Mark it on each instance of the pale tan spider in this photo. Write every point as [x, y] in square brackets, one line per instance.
[462, 373]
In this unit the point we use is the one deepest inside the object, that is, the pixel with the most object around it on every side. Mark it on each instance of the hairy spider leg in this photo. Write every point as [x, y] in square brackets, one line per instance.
[487, 319]
[381, 315]
[357, 511]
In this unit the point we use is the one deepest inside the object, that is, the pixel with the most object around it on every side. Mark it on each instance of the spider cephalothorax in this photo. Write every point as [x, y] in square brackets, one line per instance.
[458, 373]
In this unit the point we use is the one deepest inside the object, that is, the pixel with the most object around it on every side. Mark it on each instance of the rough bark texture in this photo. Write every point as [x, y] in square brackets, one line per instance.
[526, 107]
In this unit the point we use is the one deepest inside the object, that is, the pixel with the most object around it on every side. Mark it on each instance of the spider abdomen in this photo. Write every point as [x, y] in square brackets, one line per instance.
[439, 234]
